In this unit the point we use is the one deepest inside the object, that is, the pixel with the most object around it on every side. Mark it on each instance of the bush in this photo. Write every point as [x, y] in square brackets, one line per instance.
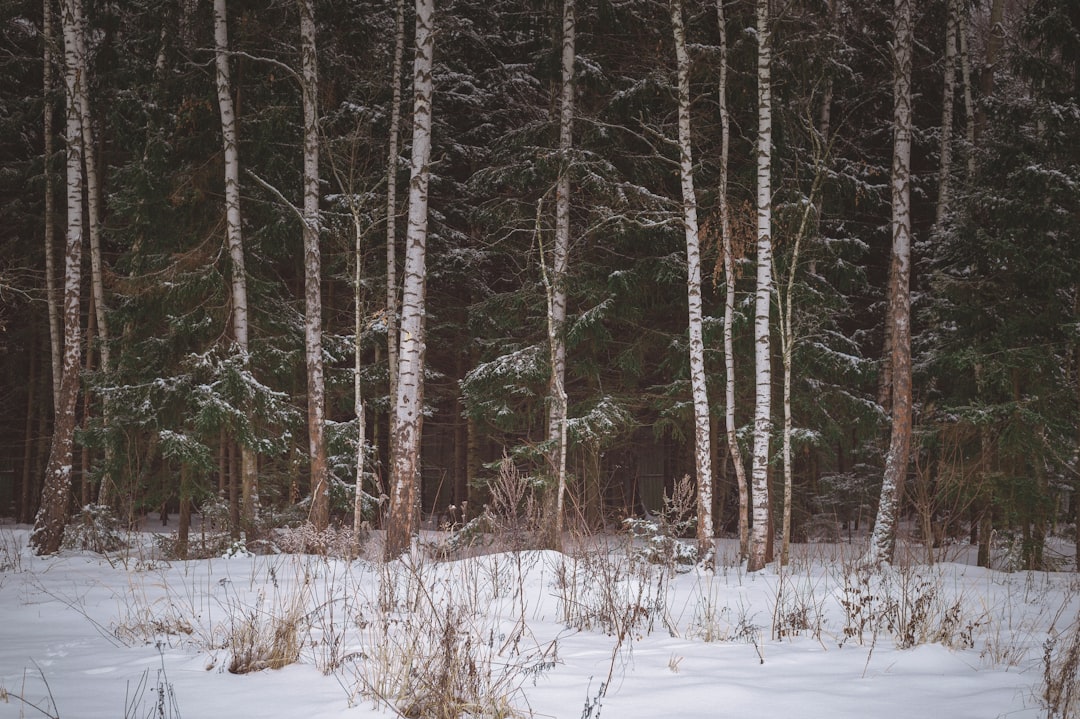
[96, 529]
[661, 532]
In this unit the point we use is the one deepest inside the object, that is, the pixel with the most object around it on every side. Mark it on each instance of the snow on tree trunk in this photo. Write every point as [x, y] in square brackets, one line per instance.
[729, 294]
[883, 539]
[408, 406]
[556, 426]
[702, 430]
[759, 539]
[319, 514]
[234, 239]
[49, 524]
[391, 200]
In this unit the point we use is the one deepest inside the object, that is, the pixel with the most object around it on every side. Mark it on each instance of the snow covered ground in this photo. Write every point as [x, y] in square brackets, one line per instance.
[588, 633]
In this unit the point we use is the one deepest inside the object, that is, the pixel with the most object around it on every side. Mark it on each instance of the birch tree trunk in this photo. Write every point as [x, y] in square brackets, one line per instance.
[883, 539]
[49, 524]
[55, 337]
[557, 408]
[93, 190]
[248, 469]
[947, 101]
[391, 201]
[702, 429]
[759, 539]
[787, 338]
[408, 408]
[319, 514]
[358, 394]
[729, 294]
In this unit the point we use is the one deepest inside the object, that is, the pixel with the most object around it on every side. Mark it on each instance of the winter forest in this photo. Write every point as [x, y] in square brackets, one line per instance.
[463, 359]
[811, 266]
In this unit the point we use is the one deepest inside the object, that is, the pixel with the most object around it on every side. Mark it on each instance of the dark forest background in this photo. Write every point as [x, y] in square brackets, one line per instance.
[996, 283]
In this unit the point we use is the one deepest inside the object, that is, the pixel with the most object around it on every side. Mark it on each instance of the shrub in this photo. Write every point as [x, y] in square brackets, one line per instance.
[96, 529]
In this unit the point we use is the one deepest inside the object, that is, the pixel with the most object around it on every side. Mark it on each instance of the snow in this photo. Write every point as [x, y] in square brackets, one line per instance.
[558, 635]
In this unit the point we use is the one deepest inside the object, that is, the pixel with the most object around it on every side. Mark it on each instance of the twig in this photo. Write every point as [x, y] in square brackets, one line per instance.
[277, 193]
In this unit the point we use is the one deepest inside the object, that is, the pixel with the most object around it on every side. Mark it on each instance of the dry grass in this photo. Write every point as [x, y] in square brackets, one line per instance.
[1060, 690]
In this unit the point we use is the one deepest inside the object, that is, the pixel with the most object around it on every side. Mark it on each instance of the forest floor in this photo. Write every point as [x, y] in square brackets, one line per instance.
[596, 630]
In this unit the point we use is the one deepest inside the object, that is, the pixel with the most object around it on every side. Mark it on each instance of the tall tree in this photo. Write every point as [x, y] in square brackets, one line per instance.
[786, 301]
[235, 243]
[557, 407]
[94, 190]
[883, 540]
[319, 514]
[702, 428]
[49, 524]
[729, 289]
[408, 405]
[393, 144]
[52, 304]
[760, 535]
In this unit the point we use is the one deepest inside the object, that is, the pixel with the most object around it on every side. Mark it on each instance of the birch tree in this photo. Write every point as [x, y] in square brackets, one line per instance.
[92, 179]
[556, 288]
[729, 292]
[234, 241]
[786, 300]
[49, 524]
[393, 145]
[97, 329]
[702, 429]
[408, 405]
[319, 514]
[883, 539]
[55, 329]
[759, 538]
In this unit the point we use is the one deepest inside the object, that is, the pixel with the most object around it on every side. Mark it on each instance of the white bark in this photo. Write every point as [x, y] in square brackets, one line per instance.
[358, 394]
[52, 303]
[408, 407]
[234, 238]
[319, 514]
[391, 201]
[93, 188]
[759, 538]
[49, 523]
[702, 428]
[556, 285]
[883, 539]
[729, 295]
